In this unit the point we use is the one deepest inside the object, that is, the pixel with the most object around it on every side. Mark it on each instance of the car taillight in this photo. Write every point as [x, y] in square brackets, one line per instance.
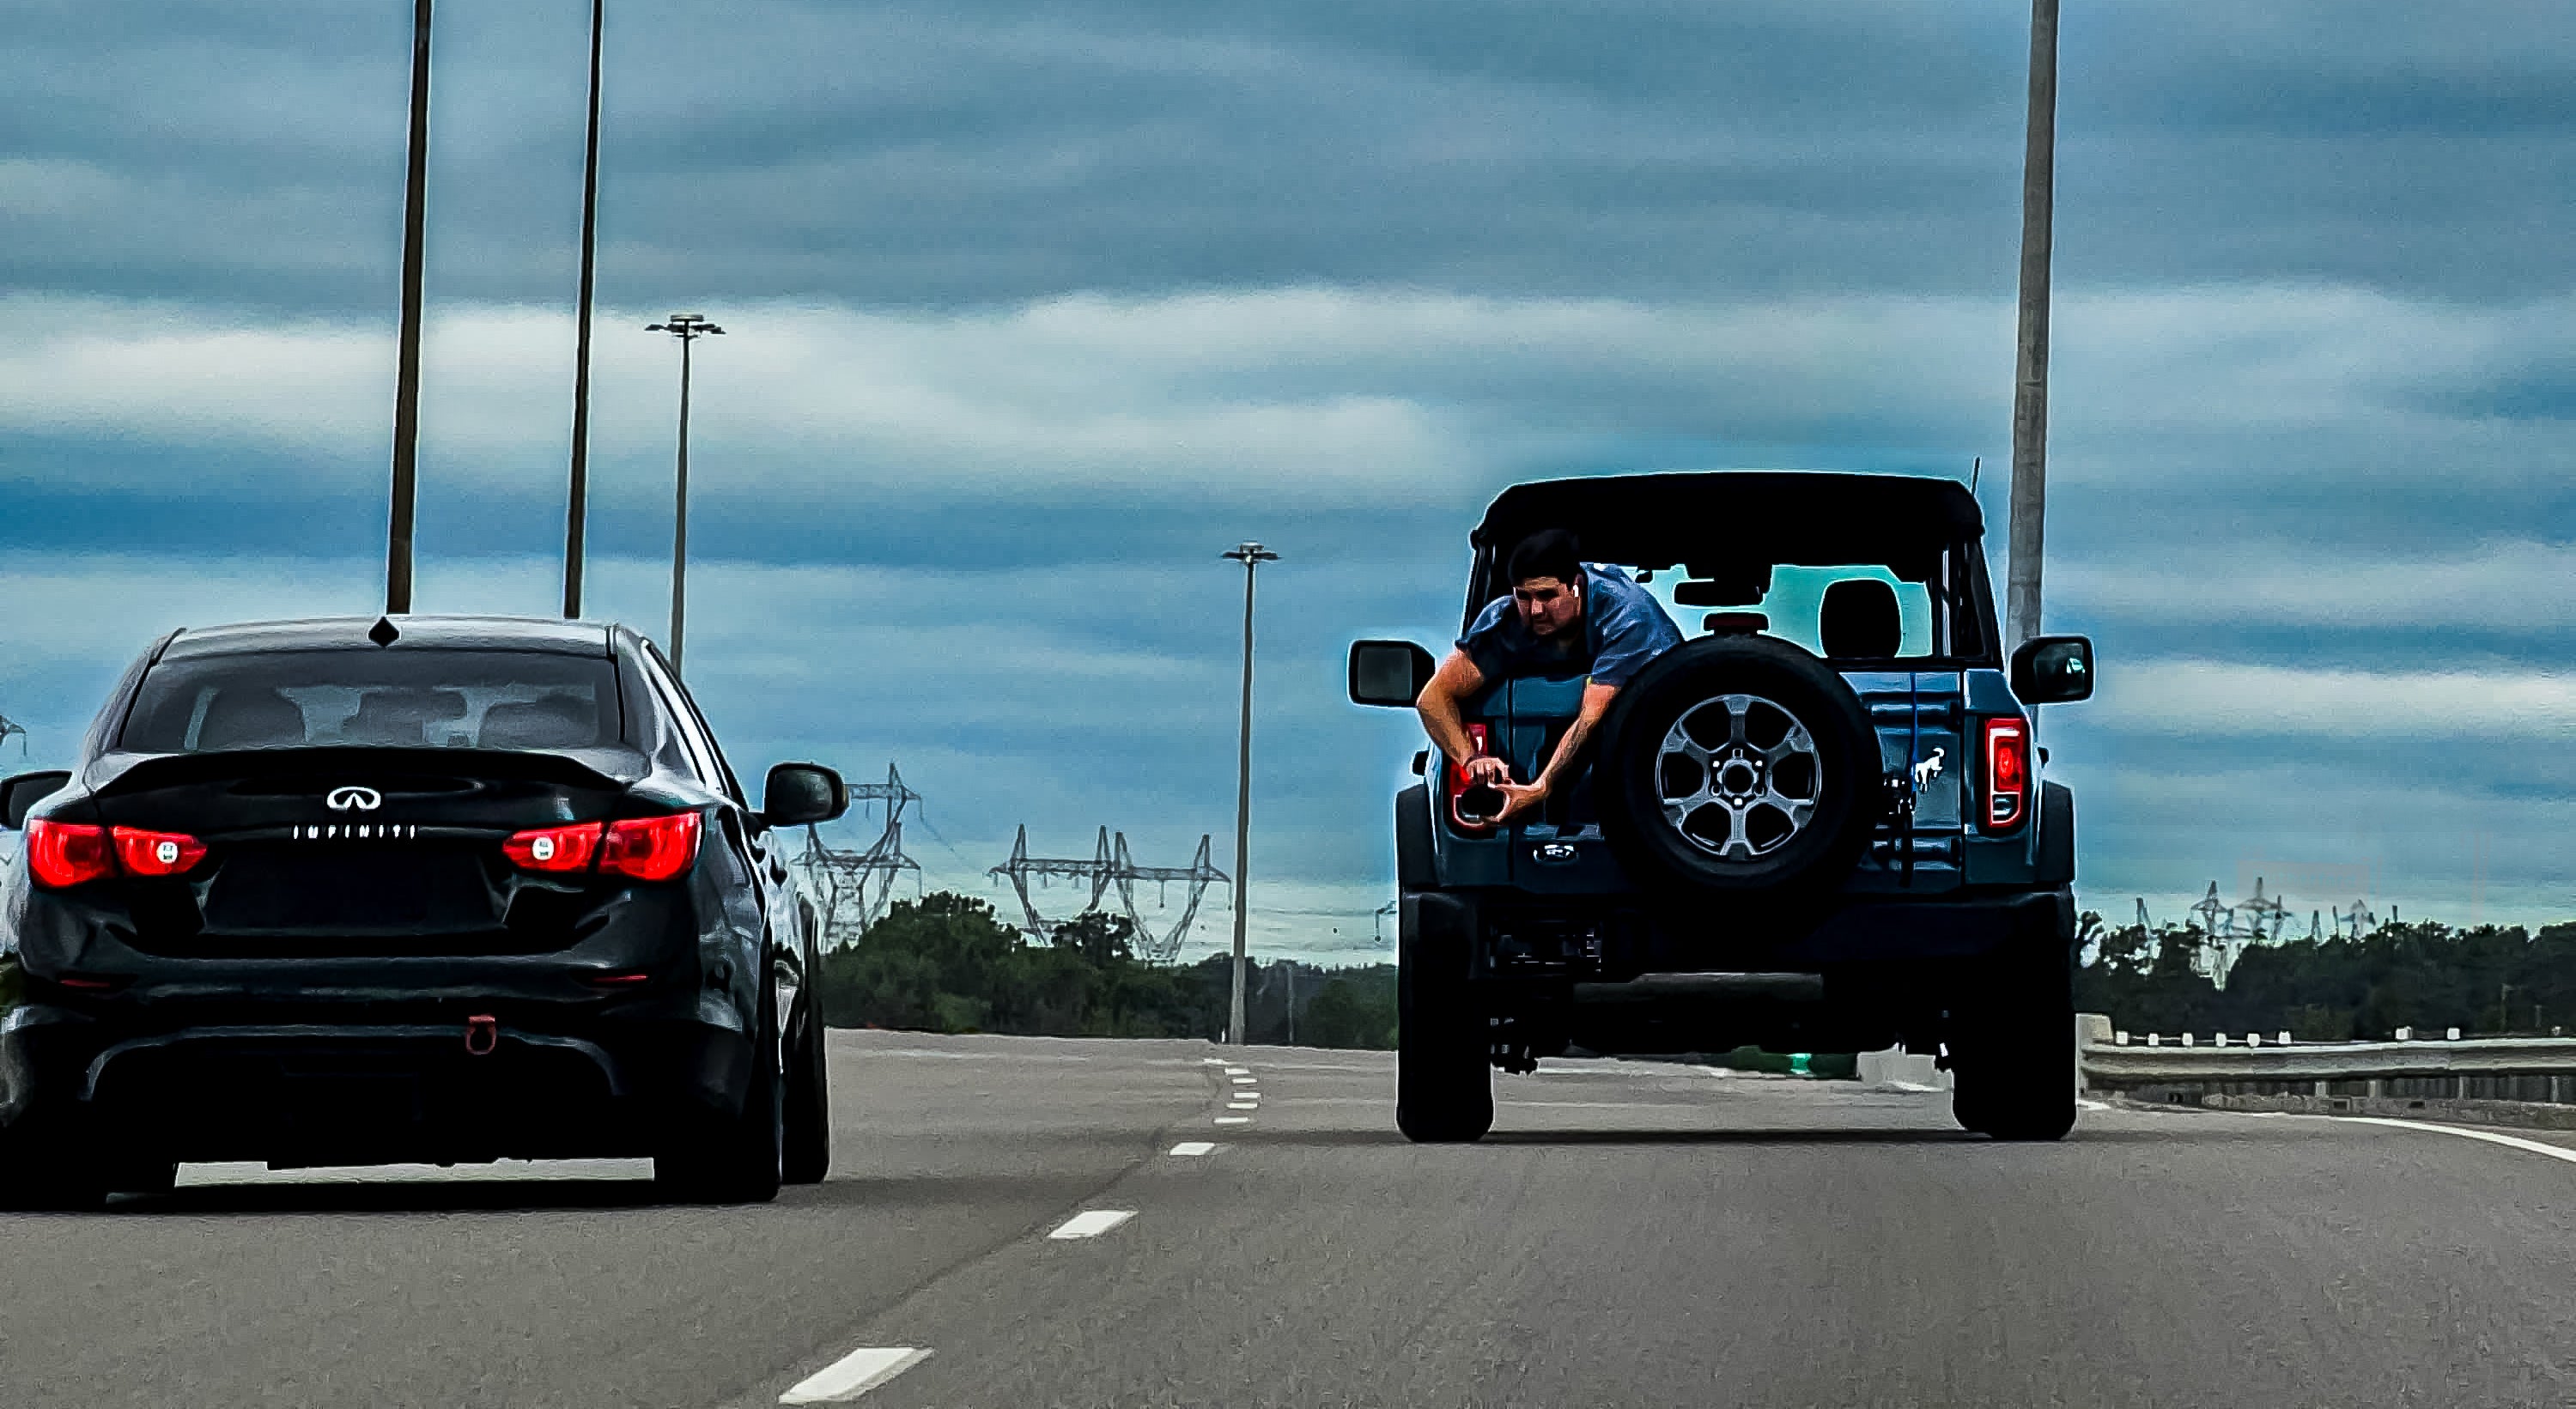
[1456, 777]
[144, 853]
[63, 854]
[2007, 773]
[554, 849]
[69, 853]
[651, 848]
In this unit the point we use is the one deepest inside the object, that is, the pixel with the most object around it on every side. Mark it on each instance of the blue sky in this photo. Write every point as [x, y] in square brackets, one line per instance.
[1037, 308]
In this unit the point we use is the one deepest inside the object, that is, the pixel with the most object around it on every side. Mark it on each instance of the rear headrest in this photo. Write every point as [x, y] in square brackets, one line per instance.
[554, 722]
[1860, 621]
[242, 718]
[400, 717]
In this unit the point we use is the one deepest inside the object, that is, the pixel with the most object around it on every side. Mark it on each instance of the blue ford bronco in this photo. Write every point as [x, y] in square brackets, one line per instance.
[1821, 825]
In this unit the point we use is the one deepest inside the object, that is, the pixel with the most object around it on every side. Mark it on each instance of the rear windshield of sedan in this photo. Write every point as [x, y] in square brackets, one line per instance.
[376, 699]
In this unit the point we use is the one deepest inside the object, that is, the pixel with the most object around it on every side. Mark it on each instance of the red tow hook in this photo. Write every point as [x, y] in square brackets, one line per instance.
[482, 1034]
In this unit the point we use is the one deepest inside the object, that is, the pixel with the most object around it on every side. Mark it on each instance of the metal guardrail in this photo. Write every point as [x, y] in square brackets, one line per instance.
[2109, 1065]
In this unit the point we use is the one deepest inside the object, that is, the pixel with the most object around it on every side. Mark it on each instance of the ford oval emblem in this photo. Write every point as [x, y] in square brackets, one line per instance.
[354, 799]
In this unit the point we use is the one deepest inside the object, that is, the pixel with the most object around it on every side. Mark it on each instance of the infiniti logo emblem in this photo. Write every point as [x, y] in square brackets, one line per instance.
[354, 799]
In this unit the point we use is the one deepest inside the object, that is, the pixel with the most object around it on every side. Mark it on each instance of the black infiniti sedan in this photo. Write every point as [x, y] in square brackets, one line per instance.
[421, 889]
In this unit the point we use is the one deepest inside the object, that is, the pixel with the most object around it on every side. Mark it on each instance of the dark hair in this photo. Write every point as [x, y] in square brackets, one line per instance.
[1550, 552]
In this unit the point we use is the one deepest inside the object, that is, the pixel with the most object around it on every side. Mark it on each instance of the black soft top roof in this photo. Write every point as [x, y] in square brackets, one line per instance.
[1731, 517]
[436, 633]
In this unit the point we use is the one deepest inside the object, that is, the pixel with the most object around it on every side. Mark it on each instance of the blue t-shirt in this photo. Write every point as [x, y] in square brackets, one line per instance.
[1623, 628]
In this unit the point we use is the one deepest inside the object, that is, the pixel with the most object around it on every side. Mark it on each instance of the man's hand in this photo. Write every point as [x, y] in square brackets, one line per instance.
[1519, 798]
[1485, 768]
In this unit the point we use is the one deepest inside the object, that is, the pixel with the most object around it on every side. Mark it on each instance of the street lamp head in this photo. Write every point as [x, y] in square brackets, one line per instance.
[1248, 553]
[687, 325]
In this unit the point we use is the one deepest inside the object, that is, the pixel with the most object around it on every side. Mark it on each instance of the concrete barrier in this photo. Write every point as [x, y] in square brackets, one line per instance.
[1900, 1070]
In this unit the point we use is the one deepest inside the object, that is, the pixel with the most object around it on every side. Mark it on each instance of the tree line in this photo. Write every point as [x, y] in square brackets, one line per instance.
[947, 963]
[2491, 981]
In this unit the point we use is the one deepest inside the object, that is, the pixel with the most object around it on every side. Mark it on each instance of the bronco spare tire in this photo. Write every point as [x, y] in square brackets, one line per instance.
[1739, 764]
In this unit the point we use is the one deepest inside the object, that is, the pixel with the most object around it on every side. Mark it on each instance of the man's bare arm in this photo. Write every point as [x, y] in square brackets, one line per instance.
[1587, 716]
[1442, 707]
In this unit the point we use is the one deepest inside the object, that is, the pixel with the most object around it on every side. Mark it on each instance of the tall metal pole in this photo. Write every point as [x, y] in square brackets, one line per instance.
[680, 519]
[2030, 362]
[407, 364]
[688, 328]
[577, 508]
[1252, 556]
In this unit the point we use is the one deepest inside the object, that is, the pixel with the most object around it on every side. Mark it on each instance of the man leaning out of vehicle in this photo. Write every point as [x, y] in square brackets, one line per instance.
[1563, 617]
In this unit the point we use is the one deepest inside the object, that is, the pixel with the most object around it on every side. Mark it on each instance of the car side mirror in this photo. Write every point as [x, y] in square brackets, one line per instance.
[1390, 673]
[2053, 670]
[19, 795]
[797, 794]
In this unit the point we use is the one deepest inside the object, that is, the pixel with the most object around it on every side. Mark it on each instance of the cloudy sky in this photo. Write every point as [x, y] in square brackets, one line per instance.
[1035, 308]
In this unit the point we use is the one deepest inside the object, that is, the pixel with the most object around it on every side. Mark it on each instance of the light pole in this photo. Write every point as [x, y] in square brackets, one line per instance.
[577, 506]
[688, 328]
[1252, 556]
[2029, 505]
[398, 526]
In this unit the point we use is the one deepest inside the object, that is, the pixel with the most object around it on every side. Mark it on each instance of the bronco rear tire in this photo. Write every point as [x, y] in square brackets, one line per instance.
[1444, 1087]
[2012, 1055]
[1738, 764]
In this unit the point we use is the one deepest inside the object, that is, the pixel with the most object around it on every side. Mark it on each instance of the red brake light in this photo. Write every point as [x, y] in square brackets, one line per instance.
[651, 848]
[67, 853]
[554, 849]
[145, 853]
[2007, 773]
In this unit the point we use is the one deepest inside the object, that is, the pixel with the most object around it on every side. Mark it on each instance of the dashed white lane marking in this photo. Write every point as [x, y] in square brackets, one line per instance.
[1189, 1149]
[1243, 1105]
[1234, 1120]
[1091, 1223]
[2556, 1152]
[854, 1374]
[1246, 1081]
[1238, 1071]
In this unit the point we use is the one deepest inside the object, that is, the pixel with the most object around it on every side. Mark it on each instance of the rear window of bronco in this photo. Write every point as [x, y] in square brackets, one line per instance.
[1794, 605]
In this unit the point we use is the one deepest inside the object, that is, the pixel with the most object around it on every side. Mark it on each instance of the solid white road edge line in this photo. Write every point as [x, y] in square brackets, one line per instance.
[1091, 1223]
[2555, 1152]
[1191, 1148]
[854, 1374]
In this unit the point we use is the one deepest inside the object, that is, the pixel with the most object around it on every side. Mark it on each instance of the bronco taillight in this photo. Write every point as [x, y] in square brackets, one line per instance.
[2007, 773]
[63, 854]
[1456, 777]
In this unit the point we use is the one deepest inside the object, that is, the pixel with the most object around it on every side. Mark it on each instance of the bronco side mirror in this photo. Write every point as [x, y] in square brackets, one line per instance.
[2053, 670]
[796, 794]
[19, 795]
[1389, 672]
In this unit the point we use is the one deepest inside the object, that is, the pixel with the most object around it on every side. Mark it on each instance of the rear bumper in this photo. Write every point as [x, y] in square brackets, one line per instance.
[1869, 973]
[333, 1092]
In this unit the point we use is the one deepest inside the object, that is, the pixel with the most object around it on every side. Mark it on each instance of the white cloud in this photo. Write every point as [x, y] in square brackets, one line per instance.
[2509, 586]
[2200, 698]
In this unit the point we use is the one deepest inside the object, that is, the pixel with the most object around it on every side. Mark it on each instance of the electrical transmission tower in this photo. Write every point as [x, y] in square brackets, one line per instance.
[1110, 866]
[853, 888]
[7, 728]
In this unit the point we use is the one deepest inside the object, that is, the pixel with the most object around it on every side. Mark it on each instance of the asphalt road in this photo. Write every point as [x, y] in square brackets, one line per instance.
[1632, 1234]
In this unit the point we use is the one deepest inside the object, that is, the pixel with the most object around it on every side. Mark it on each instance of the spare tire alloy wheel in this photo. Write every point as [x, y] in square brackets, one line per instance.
[1739, 776]
[1743, 766]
